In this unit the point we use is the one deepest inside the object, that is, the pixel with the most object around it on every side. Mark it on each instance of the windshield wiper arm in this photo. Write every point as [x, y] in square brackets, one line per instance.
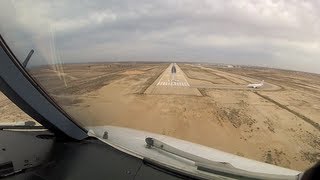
[220, 168]
[25, 62]
[152, 142]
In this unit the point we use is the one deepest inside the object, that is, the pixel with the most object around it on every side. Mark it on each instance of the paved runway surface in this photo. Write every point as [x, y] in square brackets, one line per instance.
[170, 79]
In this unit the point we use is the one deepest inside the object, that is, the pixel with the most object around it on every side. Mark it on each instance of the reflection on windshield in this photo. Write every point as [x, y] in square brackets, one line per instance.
[209, 72]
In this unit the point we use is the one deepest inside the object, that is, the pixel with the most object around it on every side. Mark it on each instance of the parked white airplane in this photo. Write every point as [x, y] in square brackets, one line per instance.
[256, 85]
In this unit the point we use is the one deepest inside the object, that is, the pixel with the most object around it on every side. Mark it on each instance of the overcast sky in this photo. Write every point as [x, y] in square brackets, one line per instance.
[282, 34]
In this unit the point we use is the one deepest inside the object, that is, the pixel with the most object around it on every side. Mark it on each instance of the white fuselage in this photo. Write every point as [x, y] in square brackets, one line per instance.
[256, 85]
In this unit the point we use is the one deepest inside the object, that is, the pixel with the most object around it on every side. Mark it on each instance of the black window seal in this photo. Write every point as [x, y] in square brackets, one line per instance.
[19, 86]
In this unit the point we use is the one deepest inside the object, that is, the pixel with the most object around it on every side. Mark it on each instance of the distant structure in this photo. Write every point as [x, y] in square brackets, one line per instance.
[230, 66]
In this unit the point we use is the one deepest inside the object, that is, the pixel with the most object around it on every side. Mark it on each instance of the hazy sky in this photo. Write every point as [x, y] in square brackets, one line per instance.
[273, 33]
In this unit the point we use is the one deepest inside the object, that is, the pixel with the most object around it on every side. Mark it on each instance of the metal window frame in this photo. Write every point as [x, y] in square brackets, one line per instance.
[17, 84]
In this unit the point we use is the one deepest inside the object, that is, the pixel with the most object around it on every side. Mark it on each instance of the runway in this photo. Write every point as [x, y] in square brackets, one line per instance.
[170, 83]
[170, 79]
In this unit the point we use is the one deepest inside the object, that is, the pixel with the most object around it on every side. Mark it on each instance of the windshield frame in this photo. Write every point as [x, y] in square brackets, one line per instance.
[27, 94]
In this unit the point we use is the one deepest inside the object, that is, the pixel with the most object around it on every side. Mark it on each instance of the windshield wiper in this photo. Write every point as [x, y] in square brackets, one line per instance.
[25, 62]
[219, 168]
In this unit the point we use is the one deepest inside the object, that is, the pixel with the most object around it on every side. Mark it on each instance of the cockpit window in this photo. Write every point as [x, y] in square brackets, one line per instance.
[241, 77]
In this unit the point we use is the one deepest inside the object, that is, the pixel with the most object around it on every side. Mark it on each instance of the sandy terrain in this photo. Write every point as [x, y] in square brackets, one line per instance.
[277, 124]
[10, 113]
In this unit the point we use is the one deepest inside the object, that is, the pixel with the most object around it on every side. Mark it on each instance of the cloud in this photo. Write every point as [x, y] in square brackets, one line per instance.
[276, 33]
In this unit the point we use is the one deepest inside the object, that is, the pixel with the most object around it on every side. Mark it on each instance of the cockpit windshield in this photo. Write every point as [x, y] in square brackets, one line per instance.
[239, 76]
